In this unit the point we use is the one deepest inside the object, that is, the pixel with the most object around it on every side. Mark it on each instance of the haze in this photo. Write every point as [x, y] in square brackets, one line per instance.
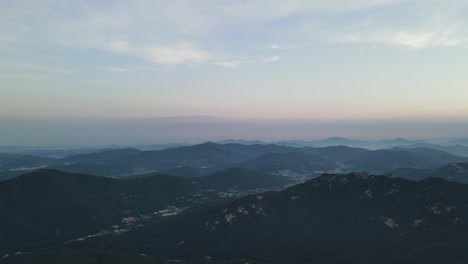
[86, 72]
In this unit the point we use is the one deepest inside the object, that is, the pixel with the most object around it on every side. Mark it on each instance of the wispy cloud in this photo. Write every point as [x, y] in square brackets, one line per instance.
[148, 69]
[177, 55]
[180, 54]
[252, 61]
[112, 69]
[410, 39]
[29, 67]
[262, 60]
[423, 40]
[184, 54]
[119, 46]
[411, 24]
[286, 47]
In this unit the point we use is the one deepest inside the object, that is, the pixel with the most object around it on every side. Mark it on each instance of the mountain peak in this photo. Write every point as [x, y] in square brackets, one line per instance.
[208, 143]
[337, 139]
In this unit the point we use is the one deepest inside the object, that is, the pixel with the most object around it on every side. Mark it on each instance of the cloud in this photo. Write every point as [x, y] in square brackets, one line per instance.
[423, 40]
[183, 54]
[92, 24]
[262, 60]
[409, 39]
[252, 61]
[411, 24]
[230, 64]
[113, 69]
[227, 33]
[246, 12]
[119, 46]
[286, 47]
[148, 69]
[176, 55]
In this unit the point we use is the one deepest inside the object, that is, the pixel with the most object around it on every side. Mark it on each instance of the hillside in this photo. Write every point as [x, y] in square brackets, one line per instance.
[354, 218]
[457, 172]
[50, 206]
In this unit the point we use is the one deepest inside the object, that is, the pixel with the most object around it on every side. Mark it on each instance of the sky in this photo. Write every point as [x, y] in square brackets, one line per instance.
[158, 71]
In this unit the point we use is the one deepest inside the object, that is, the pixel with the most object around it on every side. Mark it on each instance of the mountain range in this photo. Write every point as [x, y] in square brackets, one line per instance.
[352, 218]
[355, 218]
[206, 158]
[453, 172]
[236, 203]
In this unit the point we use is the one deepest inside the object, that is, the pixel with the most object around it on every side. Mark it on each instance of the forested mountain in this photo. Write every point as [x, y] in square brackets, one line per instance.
[354, 218]
[50, 206]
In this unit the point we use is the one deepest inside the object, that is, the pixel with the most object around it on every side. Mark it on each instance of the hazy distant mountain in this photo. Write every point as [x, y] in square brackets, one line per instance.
[457, 172]
[12, 165]
[97, 163]
[288, 164]
[355, 218]
[302, 163]
[385, 160]
[337, 141]
[333, 141]
[206, 158]
[49, 152]
[459, 150]
[103, 156]
[380, 161]
[15, 161]
[160, 146]
[243, 142]
[185, 172]
[338, 153]
[463, 141]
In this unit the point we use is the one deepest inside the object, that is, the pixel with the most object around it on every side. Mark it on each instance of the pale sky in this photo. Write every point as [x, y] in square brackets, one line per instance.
[274, 61]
